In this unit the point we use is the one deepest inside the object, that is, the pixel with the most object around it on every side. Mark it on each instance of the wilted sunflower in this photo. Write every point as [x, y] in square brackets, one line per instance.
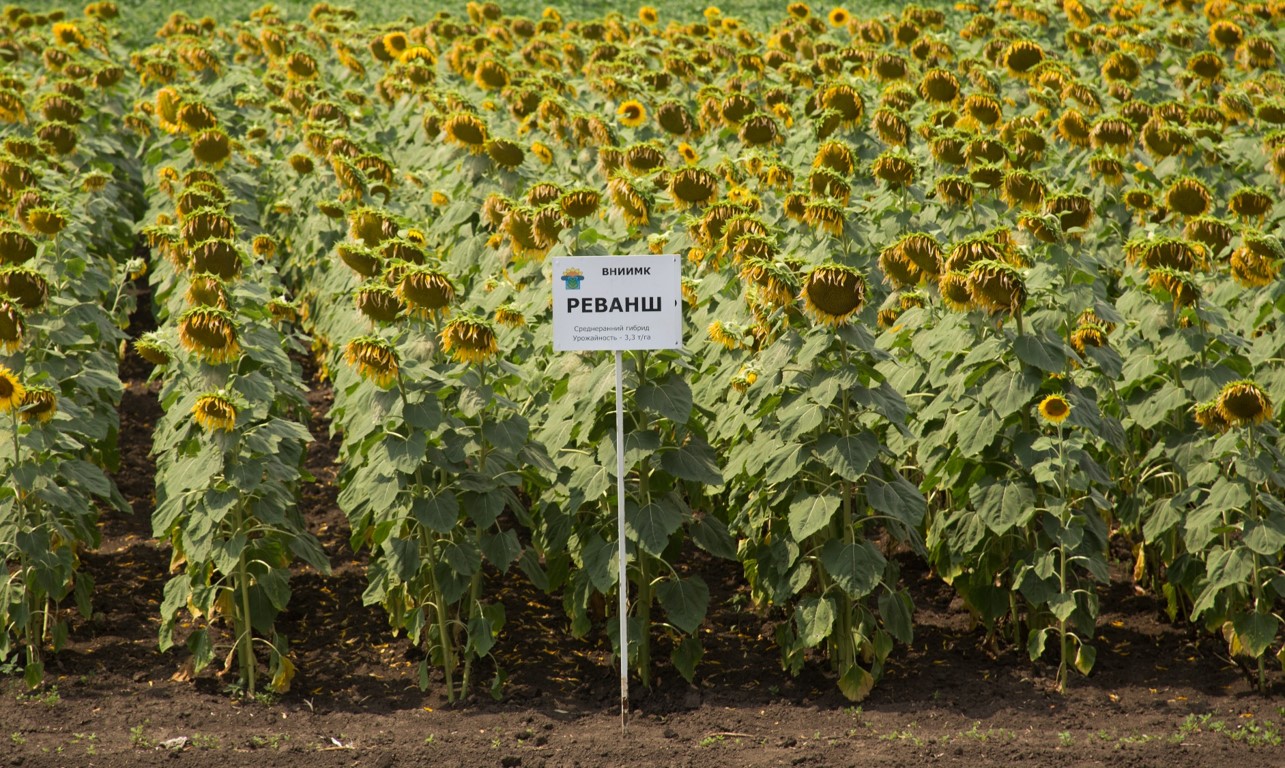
[12, 391]
[631, 113]
[693, 186]
[506, 154]
[996, 286]
[209, 333]
[1208, 417]
[939, 85]
[1189, 196]
[1257, 262]
[1088, 335]
[845, 101]
[25, 285]
[39, 404]
[719, 334]
[775, 281]
[466, 130]
[215, 411]
[894, 168]
[1250, 202]
[1243, 403]
[1055, 409]
[13, 326]
[509, 316]
[832, 294]
[825, 215]
[46, 219]
[212, 147]
[1021, 56]
[425, 289]
[469, 339]
[1214, 233]
[374, 358]
[1181, 285]
[150, 347]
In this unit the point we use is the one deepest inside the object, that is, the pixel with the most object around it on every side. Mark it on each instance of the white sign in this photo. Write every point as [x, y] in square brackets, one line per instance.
[617, 303]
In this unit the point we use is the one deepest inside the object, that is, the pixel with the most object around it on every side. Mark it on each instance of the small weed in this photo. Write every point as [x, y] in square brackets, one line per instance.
[272, 741]
[903, 735]
[138, 740]
[87, 740]
[990, 733]
[1064, 738]
[712, 741]
[430, 738]
[1136, 738]
[49, 697]
[205, 741]
[17, 739]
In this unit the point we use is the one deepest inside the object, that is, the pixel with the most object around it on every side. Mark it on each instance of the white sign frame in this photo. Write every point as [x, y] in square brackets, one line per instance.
[618, 303]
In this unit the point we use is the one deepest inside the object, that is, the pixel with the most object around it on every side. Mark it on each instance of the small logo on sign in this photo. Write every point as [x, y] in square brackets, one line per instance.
[572, 278]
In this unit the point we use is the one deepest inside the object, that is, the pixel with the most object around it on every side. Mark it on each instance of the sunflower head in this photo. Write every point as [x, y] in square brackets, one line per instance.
[1243, 403]
[469, 339]
[580, 203]
[1181, 286]
[212, 147]
[209, 333]
[425, 289]
[1055, 409]
[693, 186]
[466, 130]
[996, 286]
[215, 411]
[833, 293]
[953, 287]
[12, 392]
[631, 113]
[1209, 418]
[150, 347]
[375, 359]
[378, 302]
[1021, 56]
[13, 326]
[26, 286]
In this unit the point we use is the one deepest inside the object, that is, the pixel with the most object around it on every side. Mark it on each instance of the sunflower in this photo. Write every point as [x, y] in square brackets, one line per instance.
[11, 390]
[939, 85]
[688, 153]
[466, 130]
[509, 316]
[839, 17]
[1250, 202]
[469, 339]
[425, 289]
[209, 333]
[799, 11]
[825, 215]
[648, 15]
[953, 287]
[996, 286]
[1054, 409]
[26, 286]
[1189, 196]
[1257, 262]
[1208, 417]
[1088, 335]
[1182, 286]
[719, 334]
[13, 326]
[693, 186]
[632, 113]
[542, 151]
[150, 347]
[1243, 403]
[215, 411]
[833, 293]
[775, 281]
[1021, 56]
[894, 169]
[374, 358]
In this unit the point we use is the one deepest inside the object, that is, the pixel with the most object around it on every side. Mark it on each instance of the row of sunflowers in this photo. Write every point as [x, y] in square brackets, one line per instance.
[991, 289]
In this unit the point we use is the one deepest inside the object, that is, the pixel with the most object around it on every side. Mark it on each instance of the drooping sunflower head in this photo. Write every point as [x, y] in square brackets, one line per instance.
[1181, 286]
[775, 282]
[1209, 417]
[1189, 196]
[1250, 202]
[996, 286]
[825, 215]
[47, 219]
[1054, 409]
[894, 168]
[580, 203]
[953, 287]
[212, 147]
[469, 339]
[939, 85]
[209, 333]
[26, 286]
[425, 289]
[12, 390]
[150, 347]
[378, 302]
[206, 291]
[466, 130]
[845, 101]
[1243, 403]
[375, 359]
[1257, 262]
[833, 293]
[505, 153]
[215, 411]
[1021, 56]
[693, 186]
[39, 404]
[13, 325]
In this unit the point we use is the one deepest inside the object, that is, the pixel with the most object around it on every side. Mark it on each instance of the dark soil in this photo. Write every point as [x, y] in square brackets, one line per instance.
[1161, 694]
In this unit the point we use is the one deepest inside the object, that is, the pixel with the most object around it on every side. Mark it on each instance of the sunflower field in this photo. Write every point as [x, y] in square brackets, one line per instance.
[990, 288]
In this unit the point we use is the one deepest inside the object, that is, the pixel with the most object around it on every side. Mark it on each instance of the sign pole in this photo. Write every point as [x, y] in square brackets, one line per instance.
[623, 607]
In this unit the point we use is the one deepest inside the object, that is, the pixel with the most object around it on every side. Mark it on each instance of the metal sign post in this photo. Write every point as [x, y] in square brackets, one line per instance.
[618, 303]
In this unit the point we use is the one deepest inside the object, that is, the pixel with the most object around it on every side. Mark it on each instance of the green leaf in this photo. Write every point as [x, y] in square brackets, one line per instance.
[695, 460]
[501, 549]
[898, 612]
[599, 561]
[1062, 606]
[1224, 568]
[814, 617]
[711, 535]
[809, 514]
[856, 683]
[685, 601]
[671, 397]
[1153, 409]
[899, 499]
[1004, 506]
[848, 455]
[686, 655]
[1011, 391]
[1035, 643]
[857, 567]
[652, 524]
[1084, 658]
[1256, 631]
[438, 511]
[1266, 537]
[1039, 353]
[785, 463]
